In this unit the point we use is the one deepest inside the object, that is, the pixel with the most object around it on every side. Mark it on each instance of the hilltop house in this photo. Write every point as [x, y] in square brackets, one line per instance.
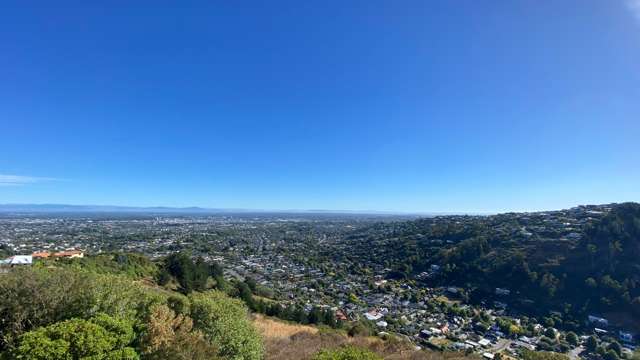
[17, 260]
[598, 320]
[373, 315]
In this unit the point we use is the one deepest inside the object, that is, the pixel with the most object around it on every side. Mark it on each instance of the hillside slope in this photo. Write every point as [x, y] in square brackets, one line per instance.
[577, 262]
[289, 341]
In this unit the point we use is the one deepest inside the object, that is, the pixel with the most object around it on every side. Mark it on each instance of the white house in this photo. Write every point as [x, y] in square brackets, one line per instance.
[484, 342]
[19, 260]
[373, 315]
[598, 320]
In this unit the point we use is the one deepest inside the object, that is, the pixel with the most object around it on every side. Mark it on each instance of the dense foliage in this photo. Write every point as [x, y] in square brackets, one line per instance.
[223, 321]
[607, 263]
[5, 251]
[190, 275]
[592, 266]
[101, 337]
[40, 297]
[168, 335]
[347, 353]
[87, 311]
[135, 266]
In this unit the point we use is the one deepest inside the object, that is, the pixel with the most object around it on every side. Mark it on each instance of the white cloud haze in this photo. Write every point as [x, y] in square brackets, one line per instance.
[634, 6]
[18, 180]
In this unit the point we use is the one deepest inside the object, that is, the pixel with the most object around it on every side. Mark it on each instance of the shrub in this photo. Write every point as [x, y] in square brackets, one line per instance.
[347, 353]
[170, 336]
[131, 265]
[611, 355]
[615, 346]
[572, 338]
[225, 324]
[77, 339]
[121, 330]
[359, 330]
[40, 297]
[591, 343]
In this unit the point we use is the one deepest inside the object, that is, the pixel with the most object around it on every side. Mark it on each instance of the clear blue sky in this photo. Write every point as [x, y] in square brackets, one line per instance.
[369, 105]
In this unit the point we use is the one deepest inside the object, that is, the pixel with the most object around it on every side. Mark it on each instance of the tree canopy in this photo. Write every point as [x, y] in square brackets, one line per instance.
[83, 312]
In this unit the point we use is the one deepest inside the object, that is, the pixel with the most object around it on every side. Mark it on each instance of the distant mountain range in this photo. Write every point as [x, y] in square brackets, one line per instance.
[99, 208]
[63, 208]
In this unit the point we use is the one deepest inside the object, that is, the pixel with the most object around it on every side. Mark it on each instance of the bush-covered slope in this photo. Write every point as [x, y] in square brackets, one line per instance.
[599, 273]
[73, 313]
[577, 261]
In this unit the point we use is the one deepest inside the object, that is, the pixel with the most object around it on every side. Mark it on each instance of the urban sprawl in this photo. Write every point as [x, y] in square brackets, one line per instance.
[286, 254]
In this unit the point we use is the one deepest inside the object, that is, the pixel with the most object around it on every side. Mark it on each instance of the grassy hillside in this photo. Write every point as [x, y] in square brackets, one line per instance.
[290, 341]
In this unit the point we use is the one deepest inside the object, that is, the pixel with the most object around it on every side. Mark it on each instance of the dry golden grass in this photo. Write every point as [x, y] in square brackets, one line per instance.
[285, 341]
[273, 329]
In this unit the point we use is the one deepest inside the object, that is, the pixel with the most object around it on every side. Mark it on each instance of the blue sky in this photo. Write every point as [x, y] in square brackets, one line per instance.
[366, 105]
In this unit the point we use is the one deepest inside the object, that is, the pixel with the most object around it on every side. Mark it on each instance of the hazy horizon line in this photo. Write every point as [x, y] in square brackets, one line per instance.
[6, 207]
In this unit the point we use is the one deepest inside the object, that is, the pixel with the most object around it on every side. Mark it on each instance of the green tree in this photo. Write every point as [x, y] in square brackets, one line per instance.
[224, 322]
[275, 309]
[591, 344]
[615, 346]
[121, 330]
[5, 251]
[550, 333]
[315, 316]
[244, 293]
[251, 283]
[329, 318]
[179, 303]
[347, 353]
[37, 297]
[611, 355]
[600, 350]
[300, 316]
[122, 354]
[572, 338]
[514, 330]
[75, 339]
[182, 268]
[359, 330]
